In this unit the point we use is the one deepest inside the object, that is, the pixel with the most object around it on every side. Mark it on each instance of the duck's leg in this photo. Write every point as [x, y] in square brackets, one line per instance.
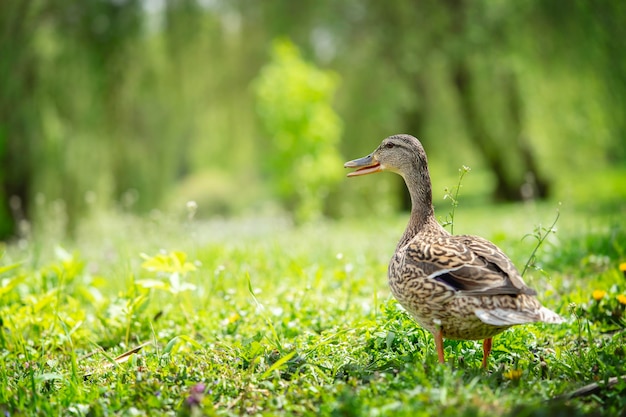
[439, 344]
[486, 351]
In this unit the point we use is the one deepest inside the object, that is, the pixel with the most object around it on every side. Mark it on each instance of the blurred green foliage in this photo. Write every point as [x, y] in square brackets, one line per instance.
[140, 105]
[294, 103]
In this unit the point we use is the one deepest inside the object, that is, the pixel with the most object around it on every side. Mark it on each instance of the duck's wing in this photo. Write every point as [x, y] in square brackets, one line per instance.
[469, 264]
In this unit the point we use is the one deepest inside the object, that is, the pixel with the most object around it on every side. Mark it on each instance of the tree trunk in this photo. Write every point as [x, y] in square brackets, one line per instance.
[18, 76]
[536, 185]
[526, 183]
[514, 166]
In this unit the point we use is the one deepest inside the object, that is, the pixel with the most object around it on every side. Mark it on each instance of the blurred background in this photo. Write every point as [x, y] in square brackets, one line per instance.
[251, 107]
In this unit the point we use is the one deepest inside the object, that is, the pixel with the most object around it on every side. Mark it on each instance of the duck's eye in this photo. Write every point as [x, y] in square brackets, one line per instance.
[389, 145]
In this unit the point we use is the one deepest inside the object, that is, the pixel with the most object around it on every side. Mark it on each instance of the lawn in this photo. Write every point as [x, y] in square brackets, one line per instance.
[166, 316]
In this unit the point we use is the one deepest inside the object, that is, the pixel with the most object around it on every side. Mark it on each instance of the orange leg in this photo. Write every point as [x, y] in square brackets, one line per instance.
[439, 345]
[486, 351]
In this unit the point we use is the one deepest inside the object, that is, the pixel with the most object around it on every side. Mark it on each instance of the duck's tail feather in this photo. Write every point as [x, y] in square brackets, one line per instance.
[506, 317]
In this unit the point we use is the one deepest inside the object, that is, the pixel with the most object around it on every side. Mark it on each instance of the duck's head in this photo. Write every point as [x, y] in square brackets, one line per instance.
[398, 153]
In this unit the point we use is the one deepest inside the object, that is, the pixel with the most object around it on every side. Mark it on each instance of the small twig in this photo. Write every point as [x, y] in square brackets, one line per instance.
[111, 362]
[541, 237]
[455, 198]
[590, 389]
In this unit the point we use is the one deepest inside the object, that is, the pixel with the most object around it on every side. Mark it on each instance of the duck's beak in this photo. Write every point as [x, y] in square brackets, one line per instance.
[366, 165]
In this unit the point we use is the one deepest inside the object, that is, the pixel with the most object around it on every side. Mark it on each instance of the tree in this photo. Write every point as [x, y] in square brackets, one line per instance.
[293, 101]
[19, 125]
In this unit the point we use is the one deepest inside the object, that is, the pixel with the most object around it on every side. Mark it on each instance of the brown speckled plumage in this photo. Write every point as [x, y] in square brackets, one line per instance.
[456, 286]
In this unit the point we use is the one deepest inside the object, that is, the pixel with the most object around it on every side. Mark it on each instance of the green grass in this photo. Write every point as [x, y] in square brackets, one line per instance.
[257, 317]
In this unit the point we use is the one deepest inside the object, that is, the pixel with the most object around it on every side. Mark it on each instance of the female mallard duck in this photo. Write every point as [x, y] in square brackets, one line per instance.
[457, 287]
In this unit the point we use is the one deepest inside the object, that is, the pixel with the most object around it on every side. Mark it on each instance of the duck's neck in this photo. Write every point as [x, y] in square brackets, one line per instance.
[422, 212]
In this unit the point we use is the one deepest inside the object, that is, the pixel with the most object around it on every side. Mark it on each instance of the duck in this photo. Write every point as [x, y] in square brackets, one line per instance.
[459, 287]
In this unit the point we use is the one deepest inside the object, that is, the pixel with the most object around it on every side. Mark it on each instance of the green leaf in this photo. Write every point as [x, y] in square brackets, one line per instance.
[276, 365]
[8, 268]
[172, 262]
[172, 345]
[50, 376]
[10, 284]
